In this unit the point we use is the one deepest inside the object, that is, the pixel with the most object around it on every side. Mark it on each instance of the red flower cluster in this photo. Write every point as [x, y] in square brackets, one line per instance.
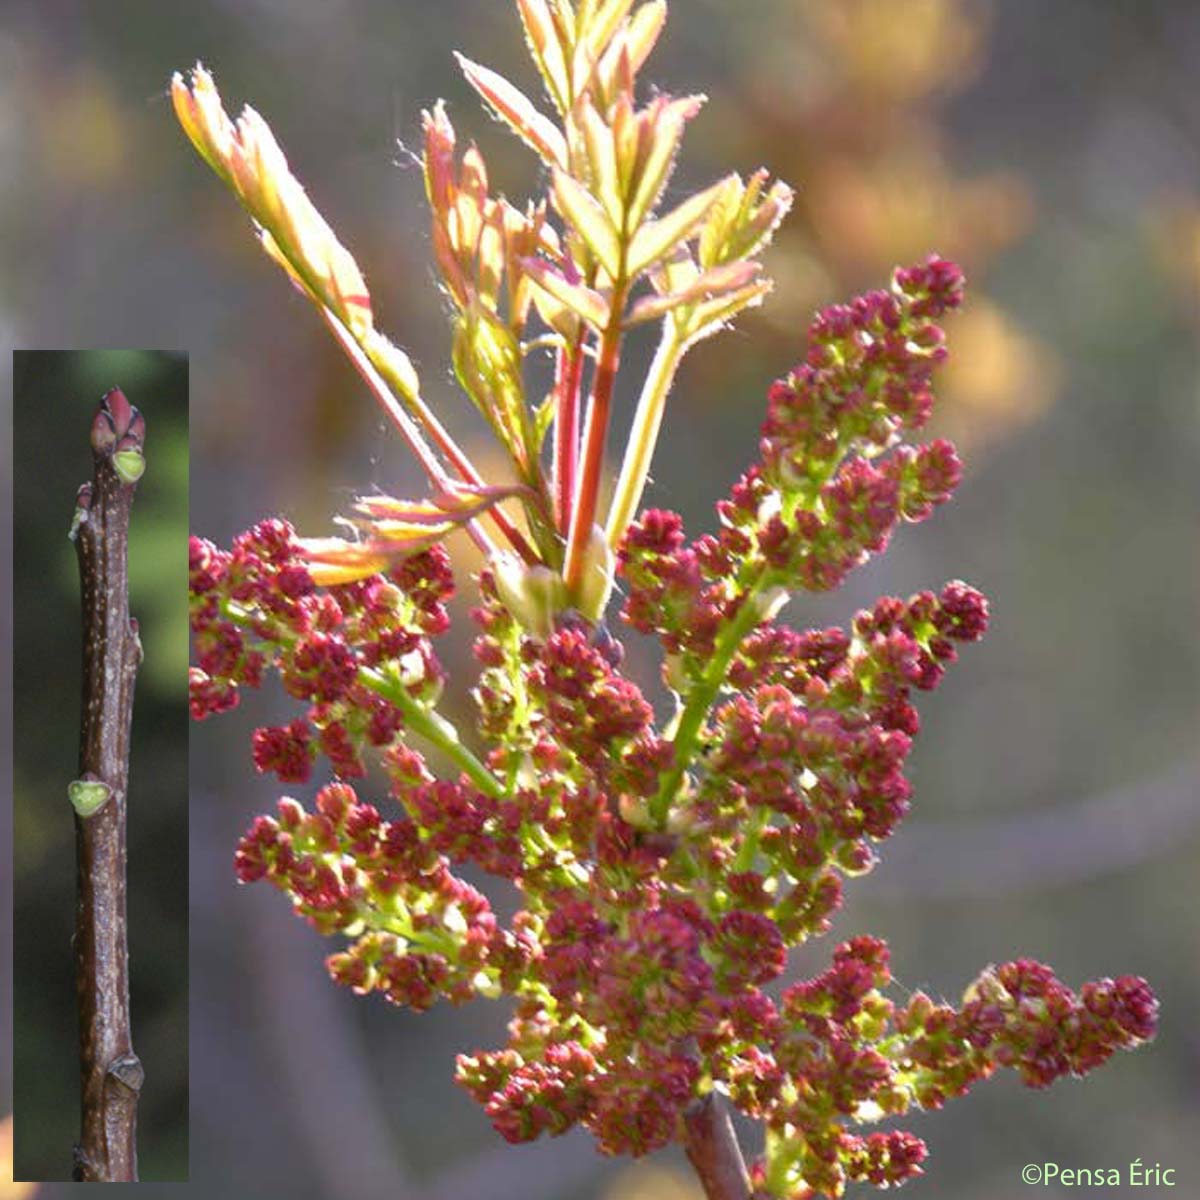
[358, 653]
[664, 873]
[420, 932]
[833, 481]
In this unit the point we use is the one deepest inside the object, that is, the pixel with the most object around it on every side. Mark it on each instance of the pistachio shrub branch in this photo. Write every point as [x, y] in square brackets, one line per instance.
[110, 1072]
[665, 872]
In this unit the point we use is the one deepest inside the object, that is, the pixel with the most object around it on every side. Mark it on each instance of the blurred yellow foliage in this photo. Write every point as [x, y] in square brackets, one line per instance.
[858, 125]
[83, 132]
[8, 1189]
[899, 51]
[1174, 230]
[905, 203]
[999, 376]
[645, 1181]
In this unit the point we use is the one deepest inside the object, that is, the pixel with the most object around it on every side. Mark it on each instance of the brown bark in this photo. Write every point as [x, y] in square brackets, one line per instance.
[712, 1148]
[111, 1075]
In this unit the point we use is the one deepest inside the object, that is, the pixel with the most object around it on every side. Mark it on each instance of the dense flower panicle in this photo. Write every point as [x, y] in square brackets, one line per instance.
[833, 482]
[588, 707]
[664, 873]
[285, 751]
[883, 1159]
[358, 654]
[419, 931]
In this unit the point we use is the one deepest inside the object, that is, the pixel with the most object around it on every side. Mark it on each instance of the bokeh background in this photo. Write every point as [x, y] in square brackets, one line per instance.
[1053, 148]
[55, 396]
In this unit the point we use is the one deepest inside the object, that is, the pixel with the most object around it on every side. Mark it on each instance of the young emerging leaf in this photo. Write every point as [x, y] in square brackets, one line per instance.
[546, 48]
[599, 139]
[583, 301]
[393, 364]
[598, 30]
[392, 530]
[332, 561]
[487, 362]
[294, 233]
[543, 418]
[713, 315]
[440, 141]
[656, 142]
[585, 215]
[740, 225]
[524, 234]
[658, 238]
[518, 112]
[491, 256]
[642, 35]
[388, 517]
[719, 282]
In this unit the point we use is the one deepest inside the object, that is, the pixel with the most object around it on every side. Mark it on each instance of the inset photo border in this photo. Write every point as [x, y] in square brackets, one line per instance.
[100, 462]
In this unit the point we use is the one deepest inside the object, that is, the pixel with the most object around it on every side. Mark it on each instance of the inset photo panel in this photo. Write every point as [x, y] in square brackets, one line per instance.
[100, 756]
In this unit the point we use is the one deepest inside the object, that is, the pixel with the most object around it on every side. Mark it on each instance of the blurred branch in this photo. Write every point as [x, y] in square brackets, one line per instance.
[1044, 849]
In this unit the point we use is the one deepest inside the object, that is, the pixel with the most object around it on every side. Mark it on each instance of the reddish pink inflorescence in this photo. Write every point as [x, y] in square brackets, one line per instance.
[663, 882]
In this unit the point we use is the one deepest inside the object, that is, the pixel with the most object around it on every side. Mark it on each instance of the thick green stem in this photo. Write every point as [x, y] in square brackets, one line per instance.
[425, 723]
[433, 727]
[647, 421]
[704, 692]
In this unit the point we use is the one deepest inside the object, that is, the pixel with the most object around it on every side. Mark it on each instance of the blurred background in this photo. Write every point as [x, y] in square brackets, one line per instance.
[55, 396]
[1053, 149]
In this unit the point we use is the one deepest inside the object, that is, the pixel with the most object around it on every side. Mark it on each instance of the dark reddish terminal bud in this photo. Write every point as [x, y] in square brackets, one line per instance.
[137, 428]
[104, 437]
[117, 426]
[119, 410]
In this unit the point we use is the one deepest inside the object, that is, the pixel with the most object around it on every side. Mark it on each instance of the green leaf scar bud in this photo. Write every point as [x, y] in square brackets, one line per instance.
[88, 796]
[129, 465]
